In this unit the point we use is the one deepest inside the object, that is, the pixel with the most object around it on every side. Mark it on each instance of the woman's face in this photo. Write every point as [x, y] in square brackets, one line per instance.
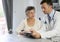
[30, 14]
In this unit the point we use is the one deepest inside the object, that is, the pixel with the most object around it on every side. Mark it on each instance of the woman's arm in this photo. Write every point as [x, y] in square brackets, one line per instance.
[20, 27]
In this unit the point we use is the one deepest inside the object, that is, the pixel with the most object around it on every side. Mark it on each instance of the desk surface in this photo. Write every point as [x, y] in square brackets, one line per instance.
[15, 38]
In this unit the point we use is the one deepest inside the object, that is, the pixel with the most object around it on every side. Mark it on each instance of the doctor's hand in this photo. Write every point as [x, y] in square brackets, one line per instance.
[35, 34]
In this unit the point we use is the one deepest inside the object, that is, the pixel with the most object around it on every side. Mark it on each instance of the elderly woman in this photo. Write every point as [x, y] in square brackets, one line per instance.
[30, 22]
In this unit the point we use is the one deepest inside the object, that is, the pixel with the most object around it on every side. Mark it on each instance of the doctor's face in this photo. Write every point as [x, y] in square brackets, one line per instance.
[30, 13]
[45, 8]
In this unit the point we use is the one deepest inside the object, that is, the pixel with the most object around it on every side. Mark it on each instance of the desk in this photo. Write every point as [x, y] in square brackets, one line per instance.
[15, 38]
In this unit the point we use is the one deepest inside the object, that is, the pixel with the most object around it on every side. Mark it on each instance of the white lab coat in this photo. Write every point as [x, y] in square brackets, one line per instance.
[56, 27]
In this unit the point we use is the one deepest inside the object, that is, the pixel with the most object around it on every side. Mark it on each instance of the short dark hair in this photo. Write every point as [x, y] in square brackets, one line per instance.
[30, 8]
[49, 2]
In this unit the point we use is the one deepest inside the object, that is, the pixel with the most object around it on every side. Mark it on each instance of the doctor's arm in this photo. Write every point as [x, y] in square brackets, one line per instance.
[48, 34]
[54, 32]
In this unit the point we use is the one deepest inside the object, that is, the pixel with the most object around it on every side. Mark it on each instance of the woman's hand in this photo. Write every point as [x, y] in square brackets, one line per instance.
[21, 33]
[24, 31]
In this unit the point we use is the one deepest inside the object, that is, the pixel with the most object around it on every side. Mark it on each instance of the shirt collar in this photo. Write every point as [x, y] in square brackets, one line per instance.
[52, 13]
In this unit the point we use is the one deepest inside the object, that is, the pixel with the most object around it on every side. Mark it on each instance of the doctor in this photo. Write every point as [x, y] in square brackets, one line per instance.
[52, 21]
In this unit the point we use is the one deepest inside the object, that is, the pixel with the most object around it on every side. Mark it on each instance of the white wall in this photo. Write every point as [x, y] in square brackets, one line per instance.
[19, 8]
[39, 12]
[18, 12]
[59, 2]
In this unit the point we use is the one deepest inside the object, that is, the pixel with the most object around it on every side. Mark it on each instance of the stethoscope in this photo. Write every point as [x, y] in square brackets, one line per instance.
[52, 23]
[53, 15]
[52, 18]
